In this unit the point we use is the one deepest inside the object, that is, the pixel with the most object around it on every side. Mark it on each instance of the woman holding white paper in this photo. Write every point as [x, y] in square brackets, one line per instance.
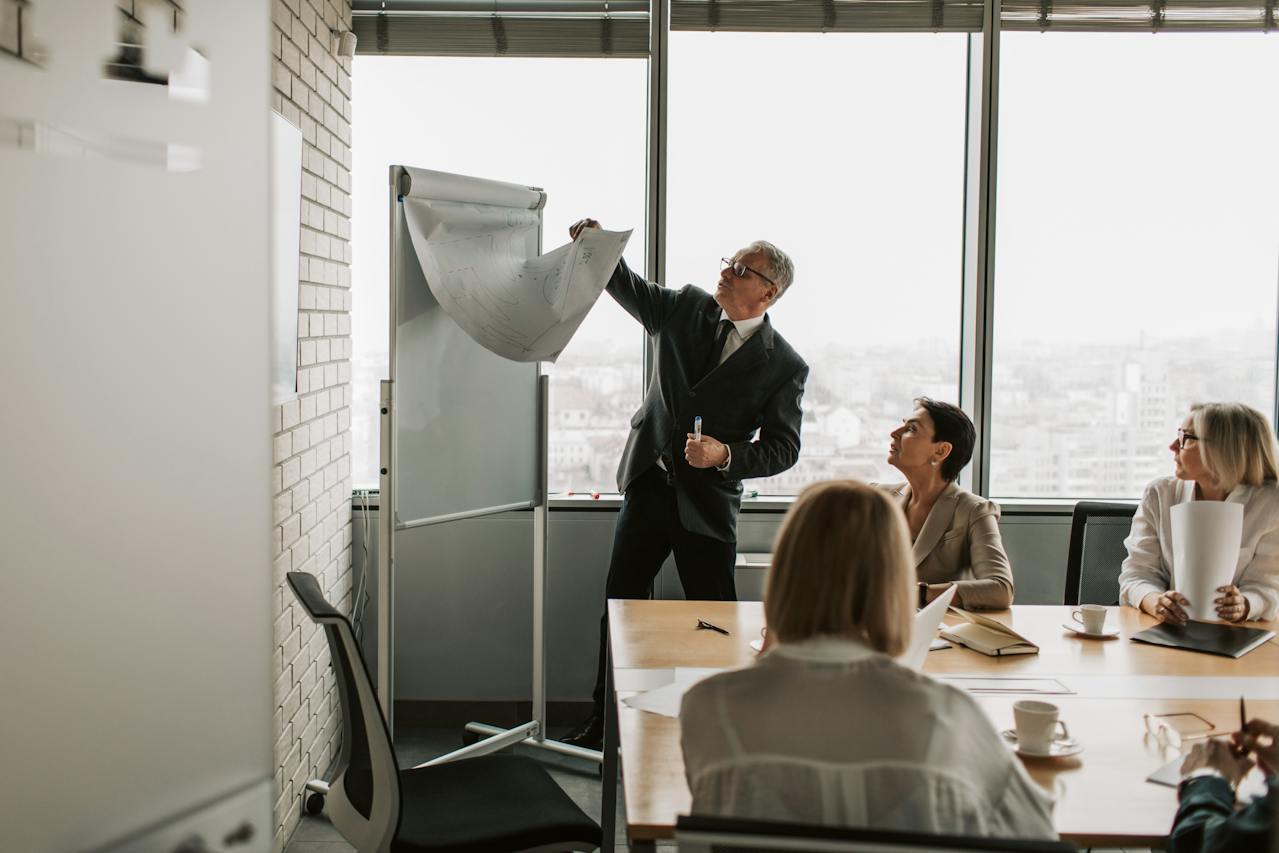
[826, 727]
[1222, 452]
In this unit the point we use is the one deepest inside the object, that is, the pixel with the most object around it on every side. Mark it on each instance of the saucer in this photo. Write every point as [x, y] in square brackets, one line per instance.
[1060, 748]
[1104, 634]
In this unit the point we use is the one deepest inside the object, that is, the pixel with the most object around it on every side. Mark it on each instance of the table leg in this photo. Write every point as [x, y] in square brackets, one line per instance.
[643, 846]
[608, 796]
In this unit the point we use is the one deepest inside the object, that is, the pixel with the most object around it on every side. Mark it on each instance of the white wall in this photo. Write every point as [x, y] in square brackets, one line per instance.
[312, 439]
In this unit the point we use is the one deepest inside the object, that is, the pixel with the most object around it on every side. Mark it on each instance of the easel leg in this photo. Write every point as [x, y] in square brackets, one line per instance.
[608, 797]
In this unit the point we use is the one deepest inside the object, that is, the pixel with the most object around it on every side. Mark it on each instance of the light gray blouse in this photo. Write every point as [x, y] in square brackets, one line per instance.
[830, 732]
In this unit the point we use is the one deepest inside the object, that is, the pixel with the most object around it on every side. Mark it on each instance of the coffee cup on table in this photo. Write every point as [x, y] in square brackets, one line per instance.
[1037, 724]
[1092, 617]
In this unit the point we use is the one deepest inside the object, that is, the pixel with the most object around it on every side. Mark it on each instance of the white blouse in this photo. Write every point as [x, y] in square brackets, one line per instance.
[830, 732]
[1149, 567]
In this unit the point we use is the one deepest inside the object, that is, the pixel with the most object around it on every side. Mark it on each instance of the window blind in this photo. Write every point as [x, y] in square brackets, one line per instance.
[558, 28]
[620, 27]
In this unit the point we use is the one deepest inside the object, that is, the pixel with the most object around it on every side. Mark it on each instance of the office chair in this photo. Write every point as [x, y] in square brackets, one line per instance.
[697, 834]
[488, 803]
[1097, 533]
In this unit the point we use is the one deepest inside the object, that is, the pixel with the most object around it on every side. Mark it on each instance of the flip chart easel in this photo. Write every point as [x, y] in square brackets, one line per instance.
[464, 432]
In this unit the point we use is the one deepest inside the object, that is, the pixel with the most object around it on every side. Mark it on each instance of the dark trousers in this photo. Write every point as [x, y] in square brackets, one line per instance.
[648, 530]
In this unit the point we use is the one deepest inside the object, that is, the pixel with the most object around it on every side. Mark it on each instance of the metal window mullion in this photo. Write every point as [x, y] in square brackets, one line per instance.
[977, 332]
[655, 216]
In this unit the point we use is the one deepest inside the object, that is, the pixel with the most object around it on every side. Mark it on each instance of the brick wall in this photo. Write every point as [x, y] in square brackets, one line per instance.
[312, 472]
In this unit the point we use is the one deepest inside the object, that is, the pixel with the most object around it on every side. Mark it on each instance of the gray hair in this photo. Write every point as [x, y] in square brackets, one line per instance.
[782, 267]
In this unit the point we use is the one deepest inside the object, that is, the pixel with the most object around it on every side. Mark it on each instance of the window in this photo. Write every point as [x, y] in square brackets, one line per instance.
[847, 151]
[1137, 250]
[575, 127]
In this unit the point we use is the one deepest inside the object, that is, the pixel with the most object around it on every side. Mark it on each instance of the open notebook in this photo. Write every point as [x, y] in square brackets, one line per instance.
[985, 635]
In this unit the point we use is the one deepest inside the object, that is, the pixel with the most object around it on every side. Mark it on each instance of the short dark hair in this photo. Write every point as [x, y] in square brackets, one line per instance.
[952, 425]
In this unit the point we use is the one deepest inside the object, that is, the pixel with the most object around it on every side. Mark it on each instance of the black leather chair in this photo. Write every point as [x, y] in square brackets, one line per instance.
[1097, 533]
[709, 834]
[489, 803]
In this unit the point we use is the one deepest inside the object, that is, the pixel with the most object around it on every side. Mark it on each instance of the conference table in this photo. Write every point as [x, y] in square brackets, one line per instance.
[1102, 796]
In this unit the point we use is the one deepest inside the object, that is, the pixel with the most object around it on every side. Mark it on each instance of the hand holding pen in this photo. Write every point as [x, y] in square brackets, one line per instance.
[702, 451]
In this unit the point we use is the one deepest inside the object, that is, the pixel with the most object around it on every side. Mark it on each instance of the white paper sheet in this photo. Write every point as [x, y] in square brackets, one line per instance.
[989, 684]
[476, 262]
[924, 630]
[1205, 551]
[665, 700]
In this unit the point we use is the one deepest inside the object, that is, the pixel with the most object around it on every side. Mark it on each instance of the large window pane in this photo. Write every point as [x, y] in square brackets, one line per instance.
[575, 127]
[1137, 254]
[847, 151]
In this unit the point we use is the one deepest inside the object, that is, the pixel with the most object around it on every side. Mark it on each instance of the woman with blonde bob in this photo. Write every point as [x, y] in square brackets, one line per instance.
[825, 727]
[1222, 452]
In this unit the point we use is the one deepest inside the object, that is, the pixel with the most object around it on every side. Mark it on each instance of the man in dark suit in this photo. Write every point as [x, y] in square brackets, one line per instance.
[718, 358]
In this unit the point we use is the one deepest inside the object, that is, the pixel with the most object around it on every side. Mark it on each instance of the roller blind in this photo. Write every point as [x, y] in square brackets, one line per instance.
[620, 28]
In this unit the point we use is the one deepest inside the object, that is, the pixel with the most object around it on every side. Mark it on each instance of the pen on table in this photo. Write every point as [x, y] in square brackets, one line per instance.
[702, 623]
[697, 428]
[1243, 716]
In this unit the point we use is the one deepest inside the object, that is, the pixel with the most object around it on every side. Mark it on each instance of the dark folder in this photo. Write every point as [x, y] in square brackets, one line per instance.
[1211, 637]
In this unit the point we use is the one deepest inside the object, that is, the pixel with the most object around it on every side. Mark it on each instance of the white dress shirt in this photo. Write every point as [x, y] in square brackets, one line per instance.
[1149, 566]
[830, 732]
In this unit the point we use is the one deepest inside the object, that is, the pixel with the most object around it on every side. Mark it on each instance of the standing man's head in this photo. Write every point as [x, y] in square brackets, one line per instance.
[753, 279]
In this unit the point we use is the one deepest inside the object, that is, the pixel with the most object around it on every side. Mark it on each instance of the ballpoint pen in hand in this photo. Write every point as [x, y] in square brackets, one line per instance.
[702, 623]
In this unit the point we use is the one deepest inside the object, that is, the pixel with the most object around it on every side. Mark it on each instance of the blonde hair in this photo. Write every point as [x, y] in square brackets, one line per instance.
[842, 567]
[1236, 444]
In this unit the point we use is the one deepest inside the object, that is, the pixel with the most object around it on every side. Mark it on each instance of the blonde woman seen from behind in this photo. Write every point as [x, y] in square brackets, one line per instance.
[1222, 452]
[825, 727]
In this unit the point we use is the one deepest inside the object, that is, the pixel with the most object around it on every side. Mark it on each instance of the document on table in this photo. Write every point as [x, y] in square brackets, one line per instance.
[665, 700]
[987, 684]
[477, 265]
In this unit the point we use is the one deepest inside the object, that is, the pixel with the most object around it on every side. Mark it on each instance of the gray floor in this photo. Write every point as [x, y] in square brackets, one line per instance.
[413, 746]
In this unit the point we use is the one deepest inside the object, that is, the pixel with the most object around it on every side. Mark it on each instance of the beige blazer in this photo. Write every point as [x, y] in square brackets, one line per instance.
[960, 542]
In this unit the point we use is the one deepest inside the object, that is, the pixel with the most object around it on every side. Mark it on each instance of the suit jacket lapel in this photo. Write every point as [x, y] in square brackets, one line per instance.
[937, 523]
[751, 355]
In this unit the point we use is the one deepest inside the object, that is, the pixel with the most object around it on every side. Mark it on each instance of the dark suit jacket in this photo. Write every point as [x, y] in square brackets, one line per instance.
[1207, 822]
[759, 387]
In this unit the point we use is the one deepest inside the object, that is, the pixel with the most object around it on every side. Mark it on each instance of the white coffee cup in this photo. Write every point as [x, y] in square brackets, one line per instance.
[1037, 724]
[1092, 617]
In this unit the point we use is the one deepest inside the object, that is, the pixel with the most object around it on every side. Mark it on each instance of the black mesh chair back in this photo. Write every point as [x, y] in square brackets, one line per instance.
[698, 834]
[1097, 534]
[363, 802]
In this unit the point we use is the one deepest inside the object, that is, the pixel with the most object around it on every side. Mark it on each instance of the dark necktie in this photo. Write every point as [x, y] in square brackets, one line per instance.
[717, 349]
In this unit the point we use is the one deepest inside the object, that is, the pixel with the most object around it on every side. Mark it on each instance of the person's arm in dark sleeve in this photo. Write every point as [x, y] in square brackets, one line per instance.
[777, 446]
[1207, 822]
[649, 303]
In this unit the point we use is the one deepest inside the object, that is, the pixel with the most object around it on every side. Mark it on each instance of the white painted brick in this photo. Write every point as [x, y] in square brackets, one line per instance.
[322, 350]
[317, 431]
[290, 473]
[308, 518]
[332, 168]
[293, 642]
[331, 226]
[276, 484]
[315, 326]
[282, 447]
[309, 463]
[331, 379]
[330, 476]
[275, 419]
[308, 407]
[301, 440]
[283, 507]
[290, 531]
[277, 541]
[290, 413]
[306, 300]
[301, 493]
[322, 454]
[299, 553]
[280, 566]
[307, 353]
[344, 419]
[304, 381]
[330, 324]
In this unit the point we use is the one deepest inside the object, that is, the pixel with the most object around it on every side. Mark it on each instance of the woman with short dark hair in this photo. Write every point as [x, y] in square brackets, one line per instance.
[954, 534]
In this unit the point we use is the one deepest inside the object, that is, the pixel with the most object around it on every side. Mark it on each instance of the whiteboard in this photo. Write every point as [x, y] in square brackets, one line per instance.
[466, 420]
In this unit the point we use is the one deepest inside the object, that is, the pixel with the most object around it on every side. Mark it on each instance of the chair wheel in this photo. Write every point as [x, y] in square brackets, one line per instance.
[314, 803]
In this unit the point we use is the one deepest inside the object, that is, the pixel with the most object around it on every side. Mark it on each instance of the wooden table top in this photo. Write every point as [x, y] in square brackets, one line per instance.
[1102, 796]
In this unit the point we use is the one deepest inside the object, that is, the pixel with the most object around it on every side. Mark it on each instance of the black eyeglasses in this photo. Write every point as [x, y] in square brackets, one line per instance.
[1183, 436]
[740, 269]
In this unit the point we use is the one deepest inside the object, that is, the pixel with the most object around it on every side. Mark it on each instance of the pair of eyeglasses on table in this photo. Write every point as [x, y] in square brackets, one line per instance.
[703, 625]
[1175, 729]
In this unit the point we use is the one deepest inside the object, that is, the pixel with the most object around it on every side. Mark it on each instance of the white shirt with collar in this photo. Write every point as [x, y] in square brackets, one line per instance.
[831, 732]
[1149, 567]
